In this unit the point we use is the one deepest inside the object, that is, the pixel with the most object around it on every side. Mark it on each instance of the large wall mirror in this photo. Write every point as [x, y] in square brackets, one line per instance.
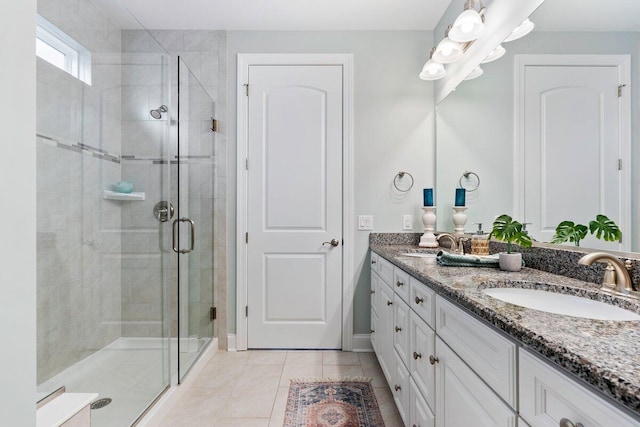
[487, 126]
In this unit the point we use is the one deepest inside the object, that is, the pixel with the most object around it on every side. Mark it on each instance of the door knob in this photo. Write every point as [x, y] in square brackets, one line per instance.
[433, 360]
[333, 242]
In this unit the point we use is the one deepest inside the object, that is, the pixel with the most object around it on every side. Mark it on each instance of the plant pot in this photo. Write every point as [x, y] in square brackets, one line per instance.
[510, 262]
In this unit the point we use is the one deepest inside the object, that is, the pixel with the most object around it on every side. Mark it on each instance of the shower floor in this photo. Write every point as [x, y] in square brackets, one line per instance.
[131, 371]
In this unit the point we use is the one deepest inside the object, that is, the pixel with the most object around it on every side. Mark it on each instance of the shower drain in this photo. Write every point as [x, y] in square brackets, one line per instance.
[100, 403]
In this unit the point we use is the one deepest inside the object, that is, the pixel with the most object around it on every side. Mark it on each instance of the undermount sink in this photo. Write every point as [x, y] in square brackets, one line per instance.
[568, 305]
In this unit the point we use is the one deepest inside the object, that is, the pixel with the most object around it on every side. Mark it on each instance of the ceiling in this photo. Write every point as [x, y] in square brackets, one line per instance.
[289, 15]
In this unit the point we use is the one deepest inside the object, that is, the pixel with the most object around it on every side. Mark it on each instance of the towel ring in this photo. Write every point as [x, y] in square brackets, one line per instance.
[398, 179]
[465, 175]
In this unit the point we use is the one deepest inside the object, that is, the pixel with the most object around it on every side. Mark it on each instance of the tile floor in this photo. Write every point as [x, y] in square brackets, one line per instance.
[249, 389]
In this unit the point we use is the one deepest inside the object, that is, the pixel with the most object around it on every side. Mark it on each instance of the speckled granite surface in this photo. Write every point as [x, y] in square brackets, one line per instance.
[604, 354]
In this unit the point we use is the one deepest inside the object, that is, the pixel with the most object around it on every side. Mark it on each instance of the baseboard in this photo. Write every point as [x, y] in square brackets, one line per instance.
[362, 343]
[231, 342]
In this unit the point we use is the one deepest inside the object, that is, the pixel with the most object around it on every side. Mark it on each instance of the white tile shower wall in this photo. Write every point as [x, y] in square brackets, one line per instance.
[204, 52]
[78, 238]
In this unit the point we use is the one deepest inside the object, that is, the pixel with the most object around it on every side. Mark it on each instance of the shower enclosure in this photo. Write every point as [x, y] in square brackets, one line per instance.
[125, 276]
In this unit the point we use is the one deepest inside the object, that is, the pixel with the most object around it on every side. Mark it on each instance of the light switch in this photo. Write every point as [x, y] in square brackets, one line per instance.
[365, 222]
[407, 222]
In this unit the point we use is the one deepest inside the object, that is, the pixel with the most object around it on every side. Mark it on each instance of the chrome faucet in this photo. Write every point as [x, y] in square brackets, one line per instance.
[455, 248]
[616, 278]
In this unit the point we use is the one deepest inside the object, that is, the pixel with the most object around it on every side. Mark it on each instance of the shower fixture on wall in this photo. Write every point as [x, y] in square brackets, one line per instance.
[157, 113]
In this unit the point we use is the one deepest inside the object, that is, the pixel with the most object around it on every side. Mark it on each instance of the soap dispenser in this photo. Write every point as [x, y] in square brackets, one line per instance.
[479, 242]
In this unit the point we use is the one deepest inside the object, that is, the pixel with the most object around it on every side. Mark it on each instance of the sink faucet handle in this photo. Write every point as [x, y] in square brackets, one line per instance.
[609, 279]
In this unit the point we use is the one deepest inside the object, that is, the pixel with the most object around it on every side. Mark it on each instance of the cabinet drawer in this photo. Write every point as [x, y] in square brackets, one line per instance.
[401, 329]
[423, 301]
[374, 261]
[375, 284]
[420, 415]
[401, 283]
[489, 354]
[463, 398]
[385, 271]
[548, 395]
[400, 388]
[374, 336]
[422, 345]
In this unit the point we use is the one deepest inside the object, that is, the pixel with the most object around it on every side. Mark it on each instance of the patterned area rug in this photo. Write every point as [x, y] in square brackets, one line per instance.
[332, 403]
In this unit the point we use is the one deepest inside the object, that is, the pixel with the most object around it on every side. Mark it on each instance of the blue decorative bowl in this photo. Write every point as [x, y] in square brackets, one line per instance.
[124, 186]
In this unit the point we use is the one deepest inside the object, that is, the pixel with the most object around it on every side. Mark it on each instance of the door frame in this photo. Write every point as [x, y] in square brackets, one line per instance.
[348, 217]
[623, 65]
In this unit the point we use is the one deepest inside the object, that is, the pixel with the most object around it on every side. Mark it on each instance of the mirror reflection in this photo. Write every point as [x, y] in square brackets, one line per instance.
[544, 128]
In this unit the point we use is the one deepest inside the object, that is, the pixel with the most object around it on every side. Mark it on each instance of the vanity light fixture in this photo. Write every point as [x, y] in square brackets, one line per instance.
[432, 70]
[475, 73]
[468, 26]
[495, 54]
[448, 51]
[520, 31]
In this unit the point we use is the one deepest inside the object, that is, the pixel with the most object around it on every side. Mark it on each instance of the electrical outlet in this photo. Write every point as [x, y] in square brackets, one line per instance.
[365, 222]
[407, 222]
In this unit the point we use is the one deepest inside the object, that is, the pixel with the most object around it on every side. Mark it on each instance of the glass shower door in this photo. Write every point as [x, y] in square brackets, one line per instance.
[193, 228]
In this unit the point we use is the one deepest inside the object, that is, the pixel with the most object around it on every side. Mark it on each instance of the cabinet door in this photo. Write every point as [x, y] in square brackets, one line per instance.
[463, 398]
[375, 284]
[489, 354]
[385, 331]
[420, 414]
[385, 271]
[374, 335]
[401, 388]
[422, 300]
[401, 330]
[422, 342]
[547, 396]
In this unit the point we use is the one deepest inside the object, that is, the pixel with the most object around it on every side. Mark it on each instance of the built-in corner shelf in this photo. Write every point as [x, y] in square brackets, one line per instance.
[114, 195]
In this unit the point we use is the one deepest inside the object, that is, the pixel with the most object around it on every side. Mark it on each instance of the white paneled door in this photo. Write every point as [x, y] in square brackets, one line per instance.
[294, 206]
[573, 148]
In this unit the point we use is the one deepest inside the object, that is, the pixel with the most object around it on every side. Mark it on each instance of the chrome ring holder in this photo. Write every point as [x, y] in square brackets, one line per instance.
[469, 188]
[398, 180]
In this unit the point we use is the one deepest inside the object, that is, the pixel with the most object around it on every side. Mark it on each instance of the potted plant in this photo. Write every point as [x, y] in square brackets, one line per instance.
[508, 230]
[603, 228]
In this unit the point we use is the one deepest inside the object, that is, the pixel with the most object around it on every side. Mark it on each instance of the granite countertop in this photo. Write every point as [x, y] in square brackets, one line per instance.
[605, 354]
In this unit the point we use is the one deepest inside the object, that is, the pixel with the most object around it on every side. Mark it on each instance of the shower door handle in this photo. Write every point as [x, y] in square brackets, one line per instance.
[192, 225]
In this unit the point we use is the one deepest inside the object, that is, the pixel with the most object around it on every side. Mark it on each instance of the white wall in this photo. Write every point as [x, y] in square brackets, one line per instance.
[393, 115]
[18, 251]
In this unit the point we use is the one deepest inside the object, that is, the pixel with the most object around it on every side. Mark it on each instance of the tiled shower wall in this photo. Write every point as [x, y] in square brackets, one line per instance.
[204, 52]
[78, 148]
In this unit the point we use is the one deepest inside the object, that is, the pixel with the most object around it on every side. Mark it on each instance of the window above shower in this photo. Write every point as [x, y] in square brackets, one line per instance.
[61, 50]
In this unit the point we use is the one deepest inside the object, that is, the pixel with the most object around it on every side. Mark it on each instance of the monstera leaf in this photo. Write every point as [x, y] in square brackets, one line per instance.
[604, 228]
[567, 231]
[510, 231]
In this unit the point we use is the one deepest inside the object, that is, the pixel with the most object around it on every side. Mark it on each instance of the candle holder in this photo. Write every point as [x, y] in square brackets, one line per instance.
[428, 239]
[459, 220]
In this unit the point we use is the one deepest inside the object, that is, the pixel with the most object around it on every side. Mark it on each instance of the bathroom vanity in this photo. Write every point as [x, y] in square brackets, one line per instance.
[455, 356]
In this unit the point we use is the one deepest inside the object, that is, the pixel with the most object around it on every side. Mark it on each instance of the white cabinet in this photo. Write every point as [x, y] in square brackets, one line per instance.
[423, 301]
[420, 414]
[422, 345]
[547, 396]
[463, 399]
[384, 329]
[401, 284]
[401, 329]
[489, 354]
[400, 387]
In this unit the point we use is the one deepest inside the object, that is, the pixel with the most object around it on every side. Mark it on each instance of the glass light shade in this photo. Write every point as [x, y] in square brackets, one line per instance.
[520, 31]
[475, 73]
[467, 27]
[432, 70]
[448, 51]
[495, 54]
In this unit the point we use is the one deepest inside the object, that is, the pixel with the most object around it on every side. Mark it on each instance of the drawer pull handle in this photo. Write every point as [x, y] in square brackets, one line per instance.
[398, 328]
[566, 423]
[373, 331]
[372, 292]
[399, 284]
[389, 302]
[433, 360]
[417, 356]
[419, 300]
[397, 387]
[373, 261]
